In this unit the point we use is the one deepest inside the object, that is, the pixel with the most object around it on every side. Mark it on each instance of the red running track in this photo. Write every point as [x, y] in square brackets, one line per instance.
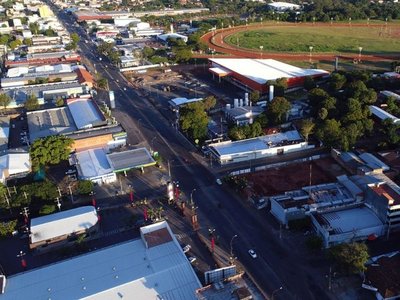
[215, 40]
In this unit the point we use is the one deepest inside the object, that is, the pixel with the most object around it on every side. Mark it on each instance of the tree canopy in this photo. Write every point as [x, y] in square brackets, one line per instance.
[277, 110]
[351, 257]
[194, 120]
[5, 100]
[50, 150]
[31, 103]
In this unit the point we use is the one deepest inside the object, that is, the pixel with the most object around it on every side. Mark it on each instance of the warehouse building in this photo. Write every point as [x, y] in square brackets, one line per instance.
[253, 74]
[54, 230]
[151, 267]
[260, 147]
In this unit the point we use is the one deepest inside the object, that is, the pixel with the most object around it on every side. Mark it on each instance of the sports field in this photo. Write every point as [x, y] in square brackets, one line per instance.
[324, 39]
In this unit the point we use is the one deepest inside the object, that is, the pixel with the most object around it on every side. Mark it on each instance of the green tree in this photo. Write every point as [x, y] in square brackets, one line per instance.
[182, 55]
[351, 257]
[255, 130]
[34, 28]
[316, 97]
[309, 83]
[277, 110]
[47, 209]
[102, 83]
[337, 81]
[306, 128]
[262, 120]
[114, 57]
[194, 120]
[392, 106]
[50, 150]
[7, 228]
[4, 38]
[330, 132]
[148, 52]
[27, 42]
[236, 133]
[75, 38]
[280, 86]
[390, 132]
[323, 113]
[14, 44]
[209, 102]
[5, 100]
[31, 103]
[59, 101]
[254, 96]
[85, 187]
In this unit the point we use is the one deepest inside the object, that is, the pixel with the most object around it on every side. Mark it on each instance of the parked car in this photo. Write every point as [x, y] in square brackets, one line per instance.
[186, 248]
[252, 253]
[192, 259]
[218, 181]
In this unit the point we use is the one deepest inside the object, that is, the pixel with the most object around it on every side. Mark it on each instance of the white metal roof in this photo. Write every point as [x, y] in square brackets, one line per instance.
[283, 5]
[255, 144]
[93, 163]
[263, 70]
[4, 132]
[381, 114]
[61, 223]
[351, 220]
[18, 163]
[373, 162]
[125, 271]
[182, 101]
[84, 112]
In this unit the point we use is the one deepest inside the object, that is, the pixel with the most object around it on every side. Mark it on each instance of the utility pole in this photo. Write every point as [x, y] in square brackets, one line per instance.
[23, 261]
[58, 203]
[70, 193]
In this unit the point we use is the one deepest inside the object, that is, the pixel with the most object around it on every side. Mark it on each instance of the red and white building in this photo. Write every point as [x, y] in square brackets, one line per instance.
[253, 74]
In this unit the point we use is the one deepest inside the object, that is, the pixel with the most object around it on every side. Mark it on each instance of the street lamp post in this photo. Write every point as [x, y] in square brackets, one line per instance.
[231, 244]
[191, 197]
[276, 291]
[359, 53]
[310, 48]
[261, 51]
[152, 144]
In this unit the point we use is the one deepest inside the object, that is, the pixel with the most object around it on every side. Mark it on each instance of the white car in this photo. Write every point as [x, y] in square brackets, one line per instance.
[186, 248]
[192, 259]
[218, 181]
[252, 253]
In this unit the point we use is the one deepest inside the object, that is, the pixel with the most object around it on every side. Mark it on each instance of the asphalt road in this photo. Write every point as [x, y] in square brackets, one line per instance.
[275, 265]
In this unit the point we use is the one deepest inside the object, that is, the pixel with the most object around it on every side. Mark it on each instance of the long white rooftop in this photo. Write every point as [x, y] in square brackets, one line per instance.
[93, 163]
[263, 70]
[85, 113]
[61, 223]
[153, 267]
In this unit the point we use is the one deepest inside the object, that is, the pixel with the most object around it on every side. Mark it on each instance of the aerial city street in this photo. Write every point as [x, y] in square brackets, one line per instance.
[199, 149]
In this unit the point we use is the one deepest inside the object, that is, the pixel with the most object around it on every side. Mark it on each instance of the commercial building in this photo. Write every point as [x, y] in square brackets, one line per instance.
[14, 165]
[130, 159]
[81, 120]
[54, 230]
[253, 74]
[93, 165]
[347, 225]
[260, 147]
[298, 204]
[152, 267]
[101, 167]
[45, 92]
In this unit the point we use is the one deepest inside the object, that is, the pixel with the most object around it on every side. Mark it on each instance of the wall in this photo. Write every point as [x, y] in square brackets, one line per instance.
[92, 142]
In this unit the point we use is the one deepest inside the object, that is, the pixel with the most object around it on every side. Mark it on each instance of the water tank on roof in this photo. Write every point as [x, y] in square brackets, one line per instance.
[228, 106]
[241, 102]
[235, 102]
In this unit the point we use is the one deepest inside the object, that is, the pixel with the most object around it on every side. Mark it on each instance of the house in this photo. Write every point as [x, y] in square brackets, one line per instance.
[383, 276]
[54, 230]
[14, 165]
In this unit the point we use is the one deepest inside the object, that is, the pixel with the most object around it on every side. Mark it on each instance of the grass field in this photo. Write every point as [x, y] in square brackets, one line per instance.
[382, 39]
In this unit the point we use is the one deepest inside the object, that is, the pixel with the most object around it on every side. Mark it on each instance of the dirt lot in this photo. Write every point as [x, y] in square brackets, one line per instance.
[295, 176]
